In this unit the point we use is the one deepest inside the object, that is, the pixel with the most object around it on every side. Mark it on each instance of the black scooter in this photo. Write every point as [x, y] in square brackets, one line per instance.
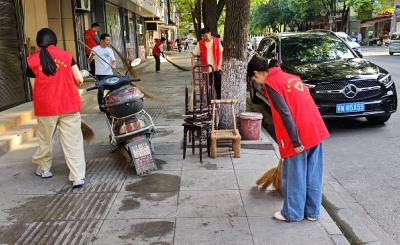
[130, 126]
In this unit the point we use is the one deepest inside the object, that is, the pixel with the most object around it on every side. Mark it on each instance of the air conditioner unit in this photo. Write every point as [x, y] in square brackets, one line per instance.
[82, 5]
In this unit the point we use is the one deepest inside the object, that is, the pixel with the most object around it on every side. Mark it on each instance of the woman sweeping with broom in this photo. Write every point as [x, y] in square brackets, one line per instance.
[300, 131]
[55, 78]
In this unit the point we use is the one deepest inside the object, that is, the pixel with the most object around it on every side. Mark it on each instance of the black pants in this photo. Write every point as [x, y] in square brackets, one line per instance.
[100, 93]
[217, 82]
[158, 62]
[92, 66]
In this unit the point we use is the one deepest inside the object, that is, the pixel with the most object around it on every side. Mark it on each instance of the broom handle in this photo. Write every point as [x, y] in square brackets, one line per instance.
[119, 73]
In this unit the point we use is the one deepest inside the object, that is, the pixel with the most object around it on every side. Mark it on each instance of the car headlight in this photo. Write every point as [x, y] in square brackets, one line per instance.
[309, 86]
[386, 81]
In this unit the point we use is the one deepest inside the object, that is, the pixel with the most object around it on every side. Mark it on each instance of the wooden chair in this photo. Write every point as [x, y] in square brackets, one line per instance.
[197, 118]
[224, 134]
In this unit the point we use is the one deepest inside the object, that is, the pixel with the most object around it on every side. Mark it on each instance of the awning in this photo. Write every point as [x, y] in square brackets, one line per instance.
[371, 22]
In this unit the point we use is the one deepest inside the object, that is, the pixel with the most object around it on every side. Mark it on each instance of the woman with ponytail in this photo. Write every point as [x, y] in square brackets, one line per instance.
[299, 130]
[55, 77]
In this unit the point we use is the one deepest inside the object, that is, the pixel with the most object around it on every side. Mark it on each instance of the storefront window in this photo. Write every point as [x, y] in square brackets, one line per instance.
[114, 28]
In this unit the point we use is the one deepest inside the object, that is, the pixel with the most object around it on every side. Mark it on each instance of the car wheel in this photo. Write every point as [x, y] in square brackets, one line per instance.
[391, 53]
[378, 119]
[253, 94]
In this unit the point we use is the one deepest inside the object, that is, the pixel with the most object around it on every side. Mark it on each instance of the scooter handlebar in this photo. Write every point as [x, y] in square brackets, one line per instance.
[136, 80]
[91, 88]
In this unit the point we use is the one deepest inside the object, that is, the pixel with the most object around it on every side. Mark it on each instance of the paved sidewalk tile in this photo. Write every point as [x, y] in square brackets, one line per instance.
[255, 161]
[270, 231]
[225, 203]
[136, 232]
[212, 231]
[208, 180]
[261, 203]
[144, 205]
[192, 162]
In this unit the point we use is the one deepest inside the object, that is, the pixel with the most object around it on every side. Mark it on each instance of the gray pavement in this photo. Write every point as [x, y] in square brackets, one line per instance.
[184, 202]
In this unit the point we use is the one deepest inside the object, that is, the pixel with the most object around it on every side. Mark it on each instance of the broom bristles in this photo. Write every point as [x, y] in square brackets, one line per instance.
[87, 132]
[272, 176]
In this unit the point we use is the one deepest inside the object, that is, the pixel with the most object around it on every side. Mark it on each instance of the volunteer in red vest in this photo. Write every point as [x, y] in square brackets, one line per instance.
[92, 40]
[157, 51]
[210, 50]
[55, 78]
[299, 130]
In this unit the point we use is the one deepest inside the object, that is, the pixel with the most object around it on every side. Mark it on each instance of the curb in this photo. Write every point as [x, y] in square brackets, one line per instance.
[355, 223]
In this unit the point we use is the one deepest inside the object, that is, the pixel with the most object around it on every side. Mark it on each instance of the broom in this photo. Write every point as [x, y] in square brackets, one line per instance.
[144, 91]
[175, 65]
[272, 176]
[87, 132]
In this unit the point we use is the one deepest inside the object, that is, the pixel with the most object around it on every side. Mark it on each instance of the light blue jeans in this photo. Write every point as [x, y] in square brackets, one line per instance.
[302, 184]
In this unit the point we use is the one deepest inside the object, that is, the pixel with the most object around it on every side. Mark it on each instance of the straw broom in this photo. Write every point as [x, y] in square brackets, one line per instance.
[272, 176]
[133, 74]
[87, 132]
[175, 65]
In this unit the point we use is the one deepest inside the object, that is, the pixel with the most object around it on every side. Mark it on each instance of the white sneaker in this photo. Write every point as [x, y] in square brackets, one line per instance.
[312, 219]
[278, 215]
[78, 183]
[43, 174]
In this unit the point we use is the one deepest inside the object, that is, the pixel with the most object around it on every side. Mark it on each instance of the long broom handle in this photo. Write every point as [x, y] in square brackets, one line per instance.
[119, 73]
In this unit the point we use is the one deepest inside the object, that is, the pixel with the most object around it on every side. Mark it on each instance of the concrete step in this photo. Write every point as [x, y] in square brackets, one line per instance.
[13, 138]
[15, 116]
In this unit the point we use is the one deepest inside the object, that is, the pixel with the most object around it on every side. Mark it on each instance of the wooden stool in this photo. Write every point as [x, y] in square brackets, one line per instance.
[225, 134]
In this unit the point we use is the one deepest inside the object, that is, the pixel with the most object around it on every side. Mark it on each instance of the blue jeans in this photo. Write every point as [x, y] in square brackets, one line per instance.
[302, 184]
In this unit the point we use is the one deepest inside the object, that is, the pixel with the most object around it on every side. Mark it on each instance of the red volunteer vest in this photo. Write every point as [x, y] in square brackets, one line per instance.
[90, 40]
[57, 94]
[156, 49]
[216, 52]
[310, 126]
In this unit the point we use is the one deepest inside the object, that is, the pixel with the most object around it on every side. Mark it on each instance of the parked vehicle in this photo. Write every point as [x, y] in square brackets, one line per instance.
[342, 83]
[130, 126]
[394, 43]
[347, 39]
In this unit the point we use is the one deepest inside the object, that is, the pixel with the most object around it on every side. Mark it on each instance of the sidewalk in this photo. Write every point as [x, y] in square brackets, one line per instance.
[185, 202]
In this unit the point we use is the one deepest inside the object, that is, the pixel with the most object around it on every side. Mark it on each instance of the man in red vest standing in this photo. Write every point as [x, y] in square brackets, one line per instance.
[157, 51]
[299, 130]
[210, 50]
[91, 41]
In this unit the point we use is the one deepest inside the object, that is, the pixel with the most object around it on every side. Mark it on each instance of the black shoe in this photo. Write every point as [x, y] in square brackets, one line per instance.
[102, 109]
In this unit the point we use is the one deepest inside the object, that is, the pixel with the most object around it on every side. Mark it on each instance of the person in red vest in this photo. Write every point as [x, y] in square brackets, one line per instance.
[299, 130]
[210, 50]
[157, 51]
[92, 40]
[55, 77]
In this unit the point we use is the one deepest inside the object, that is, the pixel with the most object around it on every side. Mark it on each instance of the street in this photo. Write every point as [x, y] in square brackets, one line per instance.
[363, 159]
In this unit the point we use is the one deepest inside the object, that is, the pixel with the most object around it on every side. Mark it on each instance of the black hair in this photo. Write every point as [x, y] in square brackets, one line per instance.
[95, 24]
[103, 36]
[163, 39]
[218, 36]
[257, 63]
[273, 63]
[205, 30]
[44, 38]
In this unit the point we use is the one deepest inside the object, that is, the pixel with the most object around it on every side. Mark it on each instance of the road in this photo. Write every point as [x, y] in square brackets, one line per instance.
[365, 159]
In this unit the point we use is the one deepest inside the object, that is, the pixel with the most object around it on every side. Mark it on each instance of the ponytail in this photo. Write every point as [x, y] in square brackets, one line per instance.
[47, 62]
[46, 37]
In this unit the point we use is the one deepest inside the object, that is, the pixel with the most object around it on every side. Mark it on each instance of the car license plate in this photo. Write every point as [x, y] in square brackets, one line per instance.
[350, 107]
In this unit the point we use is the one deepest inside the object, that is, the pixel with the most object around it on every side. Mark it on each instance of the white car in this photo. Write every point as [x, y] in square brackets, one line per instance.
[346, 38]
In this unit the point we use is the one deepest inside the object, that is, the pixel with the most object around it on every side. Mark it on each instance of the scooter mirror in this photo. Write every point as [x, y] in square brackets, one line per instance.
[136, 62]
[85, 73]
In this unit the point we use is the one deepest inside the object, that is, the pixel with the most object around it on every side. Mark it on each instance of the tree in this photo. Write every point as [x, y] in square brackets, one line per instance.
[234, 56]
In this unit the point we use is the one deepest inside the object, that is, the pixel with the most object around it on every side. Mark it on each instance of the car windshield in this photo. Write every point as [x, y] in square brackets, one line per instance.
[314, 49]
[344, 36]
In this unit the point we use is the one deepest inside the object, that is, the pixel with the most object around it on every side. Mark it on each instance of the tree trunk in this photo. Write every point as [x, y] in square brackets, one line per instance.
[211, 11]
[234, 59]
[196, 18]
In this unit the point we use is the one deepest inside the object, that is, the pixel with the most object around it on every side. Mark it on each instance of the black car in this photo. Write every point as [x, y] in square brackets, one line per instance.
[342, 83]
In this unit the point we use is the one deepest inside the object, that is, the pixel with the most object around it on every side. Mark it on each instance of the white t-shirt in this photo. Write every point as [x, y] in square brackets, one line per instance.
[107, 54]
[210, 55]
